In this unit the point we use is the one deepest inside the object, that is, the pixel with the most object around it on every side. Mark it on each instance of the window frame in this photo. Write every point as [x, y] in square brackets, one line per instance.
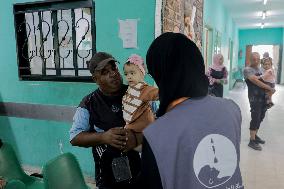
[24, 67]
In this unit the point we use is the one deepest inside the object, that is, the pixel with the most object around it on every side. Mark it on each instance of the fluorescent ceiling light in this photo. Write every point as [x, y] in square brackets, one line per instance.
[264, 15]
[264, 2]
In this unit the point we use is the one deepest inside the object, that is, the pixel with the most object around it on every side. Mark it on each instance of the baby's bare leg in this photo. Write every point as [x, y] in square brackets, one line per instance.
[269, 97]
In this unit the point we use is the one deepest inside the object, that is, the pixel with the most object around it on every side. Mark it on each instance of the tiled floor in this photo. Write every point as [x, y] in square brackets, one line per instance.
[263, 169]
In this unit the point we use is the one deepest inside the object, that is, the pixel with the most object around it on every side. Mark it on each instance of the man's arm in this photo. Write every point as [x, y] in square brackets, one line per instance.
[249, 74]
[87, 139]
[255, 80]
[115, 137]
[80, 135]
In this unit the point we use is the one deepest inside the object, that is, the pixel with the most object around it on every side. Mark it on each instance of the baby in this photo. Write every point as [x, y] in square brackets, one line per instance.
[137, 112]
[268, 78]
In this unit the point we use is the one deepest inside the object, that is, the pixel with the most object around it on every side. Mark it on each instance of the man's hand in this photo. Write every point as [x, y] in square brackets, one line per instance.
[271, 91]
[134, 140]
[115, 137]
[217, 81]
[254, 79]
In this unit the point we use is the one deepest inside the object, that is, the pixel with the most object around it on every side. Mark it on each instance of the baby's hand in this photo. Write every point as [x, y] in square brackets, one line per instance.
[273, 91]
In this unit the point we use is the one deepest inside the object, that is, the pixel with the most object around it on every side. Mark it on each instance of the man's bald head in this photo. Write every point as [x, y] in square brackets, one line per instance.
[254, 59]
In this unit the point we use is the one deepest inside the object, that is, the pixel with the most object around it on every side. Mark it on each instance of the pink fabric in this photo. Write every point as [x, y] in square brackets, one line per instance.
[269, 76]
[138, 61]
[216, 65]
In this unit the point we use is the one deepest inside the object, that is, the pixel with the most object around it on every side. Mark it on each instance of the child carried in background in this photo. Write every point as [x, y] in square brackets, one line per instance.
[268, 78]
[137, 112]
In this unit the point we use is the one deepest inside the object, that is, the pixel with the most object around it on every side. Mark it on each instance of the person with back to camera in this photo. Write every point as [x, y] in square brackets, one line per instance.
[189, 145]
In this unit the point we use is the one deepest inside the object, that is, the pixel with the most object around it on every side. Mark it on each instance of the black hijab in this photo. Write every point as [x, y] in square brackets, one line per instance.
[177, 66]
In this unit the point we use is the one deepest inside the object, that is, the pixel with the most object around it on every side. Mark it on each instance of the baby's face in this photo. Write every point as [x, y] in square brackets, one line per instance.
[266, 65]
[133, 74]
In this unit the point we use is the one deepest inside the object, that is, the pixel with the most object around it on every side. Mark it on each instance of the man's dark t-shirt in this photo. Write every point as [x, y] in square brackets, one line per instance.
[106, 113]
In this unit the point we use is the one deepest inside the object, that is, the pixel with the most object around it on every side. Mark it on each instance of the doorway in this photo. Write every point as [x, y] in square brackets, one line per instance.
[207, 46]
[275, 53]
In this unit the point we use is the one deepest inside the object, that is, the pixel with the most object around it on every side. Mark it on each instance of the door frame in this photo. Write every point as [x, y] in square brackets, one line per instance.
[207, 46]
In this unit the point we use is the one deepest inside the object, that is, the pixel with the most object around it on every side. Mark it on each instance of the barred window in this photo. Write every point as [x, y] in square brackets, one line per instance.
[55, 39]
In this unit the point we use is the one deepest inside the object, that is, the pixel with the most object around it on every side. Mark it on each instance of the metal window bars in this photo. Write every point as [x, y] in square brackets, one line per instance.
[55, 39]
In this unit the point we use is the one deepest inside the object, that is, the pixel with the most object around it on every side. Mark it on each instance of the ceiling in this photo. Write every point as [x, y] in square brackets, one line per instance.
[248, 13]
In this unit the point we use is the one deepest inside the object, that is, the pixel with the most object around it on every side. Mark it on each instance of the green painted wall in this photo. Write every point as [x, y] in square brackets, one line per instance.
[37, 141]
[39, 137]
[217, 17]
[268, 36]
[107, 26]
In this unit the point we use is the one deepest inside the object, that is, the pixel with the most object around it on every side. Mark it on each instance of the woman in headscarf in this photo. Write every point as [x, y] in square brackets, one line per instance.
[217, 75]
[189, 145]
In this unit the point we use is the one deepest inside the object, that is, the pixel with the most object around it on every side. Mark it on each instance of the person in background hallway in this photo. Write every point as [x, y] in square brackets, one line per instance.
[256, 96]
[265, 56]
[189, 145]
[217, 75]
[98, 123]
[268, 78]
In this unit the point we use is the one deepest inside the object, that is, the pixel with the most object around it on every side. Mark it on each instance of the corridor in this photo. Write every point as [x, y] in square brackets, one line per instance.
[263, 169]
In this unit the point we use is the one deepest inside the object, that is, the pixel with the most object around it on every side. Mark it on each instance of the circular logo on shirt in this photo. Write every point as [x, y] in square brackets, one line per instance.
[215, 160]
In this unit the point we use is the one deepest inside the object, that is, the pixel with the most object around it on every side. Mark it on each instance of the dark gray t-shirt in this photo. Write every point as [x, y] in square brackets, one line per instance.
[249, 71]
[197, 145]
[255, 93]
